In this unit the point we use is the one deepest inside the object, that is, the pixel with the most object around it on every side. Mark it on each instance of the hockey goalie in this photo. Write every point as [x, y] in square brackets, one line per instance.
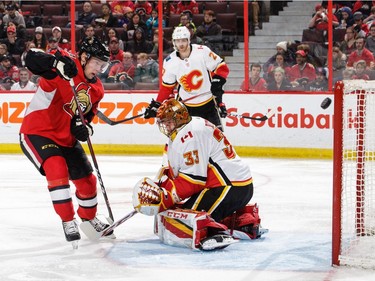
[202, 198]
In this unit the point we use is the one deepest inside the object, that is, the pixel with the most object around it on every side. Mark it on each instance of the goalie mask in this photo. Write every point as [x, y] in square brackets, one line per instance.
[171, 116]
[180, 32]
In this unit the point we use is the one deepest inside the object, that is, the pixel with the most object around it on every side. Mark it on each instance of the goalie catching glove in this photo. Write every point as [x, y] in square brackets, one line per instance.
[65, 66]
[81, 131]
[152, 109]
[150, 199]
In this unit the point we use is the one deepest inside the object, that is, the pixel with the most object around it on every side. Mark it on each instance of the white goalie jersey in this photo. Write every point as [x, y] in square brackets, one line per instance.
[193, 74]
[200, 155]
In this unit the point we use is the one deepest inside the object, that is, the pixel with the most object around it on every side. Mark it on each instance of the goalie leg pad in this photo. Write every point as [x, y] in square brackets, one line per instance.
[246, 222]
[186, 228]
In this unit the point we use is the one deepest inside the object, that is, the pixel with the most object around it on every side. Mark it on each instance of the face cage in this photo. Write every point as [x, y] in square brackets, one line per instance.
[164, 129]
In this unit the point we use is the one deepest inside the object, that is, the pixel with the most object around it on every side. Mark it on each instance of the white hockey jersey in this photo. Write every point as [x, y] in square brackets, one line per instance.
[200, 156]
[193, 74]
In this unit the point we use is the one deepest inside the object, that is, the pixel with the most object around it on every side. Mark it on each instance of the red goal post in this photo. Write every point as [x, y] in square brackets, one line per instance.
[353, 226]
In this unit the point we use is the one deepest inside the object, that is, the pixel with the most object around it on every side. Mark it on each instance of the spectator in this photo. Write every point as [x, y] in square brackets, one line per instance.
[143, 8]
[147, 69]
[89, 32]
[302, 72]
[347, 74]
[280, 83]
[3, 49]
[320, 19]
[139, 44]
[194, 39]
[13, 16]
[155, 42]
[106, 19]
[132, 26]
[168, 9]
[256, 10]
[281, 48]
[29, 45]
[63, 43]
[123, 72]
[314, 60]
[9, 73]
[346, 18]
[360, 70]
[191, 6]
[14, 44]
[361, 53]
[279, 62]
[116, 54]
[348, 44]
[362, 6]
[338, 62]
[153, 23]
[113, 33]
[40, 39]
[370, 19]
[24, 84]
[256, 83]
[53, 45]
[185, 18]
[209, 30]
[119, 8]
[360, 27]
[126, 19]
[370, 40]
[320, 84]
[87, 16]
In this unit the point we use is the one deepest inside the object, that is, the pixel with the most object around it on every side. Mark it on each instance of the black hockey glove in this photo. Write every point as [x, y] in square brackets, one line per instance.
[223, 110]
[151, 109]
[217, 84]
[65, 66]
[79, 130]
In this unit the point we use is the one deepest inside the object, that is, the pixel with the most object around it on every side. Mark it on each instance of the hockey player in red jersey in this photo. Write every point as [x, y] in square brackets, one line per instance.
[205, 179]
[52, 129]
[197, 71]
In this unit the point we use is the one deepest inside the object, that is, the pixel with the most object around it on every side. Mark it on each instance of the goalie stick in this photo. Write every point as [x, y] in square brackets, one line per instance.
[268, 115]
[112, 123]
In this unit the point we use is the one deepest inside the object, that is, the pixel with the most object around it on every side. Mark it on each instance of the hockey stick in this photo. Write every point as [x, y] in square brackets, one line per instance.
[268, 115]
[112, 123]
[75, 95]
[94, 235]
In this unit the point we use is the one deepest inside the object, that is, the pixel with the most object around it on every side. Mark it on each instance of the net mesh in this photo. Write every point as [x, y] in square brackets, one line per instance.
[358, 198]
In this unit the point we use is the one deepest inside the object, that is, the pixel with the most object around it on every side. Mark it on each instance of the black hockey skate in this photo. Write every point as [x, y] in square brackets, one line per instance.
[100, 226]
[71, 232]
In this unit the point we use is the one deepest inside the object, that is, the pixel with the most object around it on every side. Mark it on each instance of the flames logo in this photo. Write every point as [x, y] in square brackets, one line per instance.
[191, 81]
[83, 98]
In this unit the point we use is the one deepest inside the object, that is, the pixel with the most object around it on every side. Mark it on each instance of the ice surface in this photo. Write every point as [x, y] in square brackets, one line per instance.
[295, 201]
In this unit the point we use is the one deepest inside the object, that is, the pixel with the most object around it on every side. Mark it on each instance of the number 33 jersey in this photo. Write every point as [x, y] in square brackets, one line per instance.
[201, 155]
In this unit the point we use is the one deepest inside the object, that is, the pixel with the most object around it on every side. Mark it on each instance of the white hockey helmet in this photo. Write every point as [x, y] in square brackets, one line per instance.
[180, 32]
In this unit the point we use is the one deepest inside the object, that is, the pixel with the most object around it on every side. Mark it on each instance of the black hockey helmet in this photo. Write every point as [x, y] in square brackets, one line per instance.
[94, 48]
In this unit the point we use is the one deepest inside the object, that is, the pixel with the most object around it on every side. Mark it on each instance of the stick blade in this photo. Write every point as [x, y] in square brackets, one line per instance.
[90, 231]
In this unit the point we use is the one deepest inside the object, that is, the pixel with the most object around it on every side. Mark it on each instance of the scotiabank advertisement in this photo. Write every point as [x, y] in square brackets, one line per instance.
[298, 122]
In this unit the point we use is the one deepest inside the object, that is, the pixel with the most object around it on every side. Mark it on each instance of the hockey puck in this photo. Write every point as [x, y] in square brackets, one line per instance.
[326, 103]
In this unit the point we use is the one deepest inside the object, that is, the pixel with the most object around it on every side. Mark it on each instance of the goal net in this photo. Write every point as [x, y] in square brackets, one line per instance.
[353, 234]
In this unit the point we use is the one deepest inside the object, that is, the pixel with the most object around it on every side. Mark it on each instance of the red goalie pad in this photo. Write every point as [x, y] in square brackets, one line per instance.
[246, 220]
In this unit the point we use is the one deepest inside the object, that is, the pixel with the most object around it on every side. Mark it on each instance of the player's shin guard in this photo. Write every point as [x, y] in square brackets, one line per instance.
[86, 197]
[58, 186]
[187, 228]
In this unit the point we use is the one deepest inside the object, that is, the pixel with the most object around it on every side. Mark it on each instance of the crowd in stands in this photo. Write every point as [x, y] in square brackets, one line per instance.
[130, 29]
[304, 65]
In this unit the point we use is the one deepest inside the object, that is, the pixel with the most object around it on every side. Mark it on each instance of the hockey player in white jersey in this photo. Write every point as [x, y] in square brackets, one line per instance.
[206, 188]
[196, 71]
